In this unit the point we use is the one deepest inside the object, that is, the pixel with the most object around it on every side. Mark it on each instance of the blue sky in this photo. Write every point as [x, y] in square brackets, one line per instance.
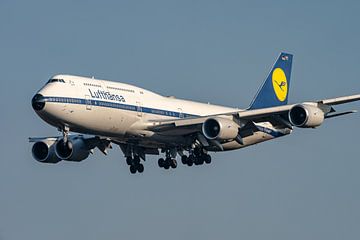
[304, 186]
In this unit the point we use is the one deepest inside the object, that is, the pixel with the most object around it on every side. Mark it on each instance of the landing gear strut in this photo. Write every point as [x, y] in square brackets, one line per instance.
[65, 133]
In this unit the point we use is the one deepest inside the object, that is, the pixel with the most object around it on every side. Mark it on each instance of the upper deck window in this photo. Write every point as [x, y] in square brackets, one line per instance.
[92, 85]
[56, 80]
[120, 89]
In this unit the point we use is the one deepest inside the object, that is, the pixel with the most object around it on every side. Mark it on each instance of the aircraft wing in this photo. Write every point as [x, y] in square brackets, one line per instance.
[266, 112]
[340, 100]
[277, 115]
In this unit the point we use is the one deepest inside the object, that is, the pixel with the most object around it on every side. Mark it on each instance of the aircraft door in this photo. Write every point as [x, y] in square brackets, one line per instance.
[139, 108]
[181, 113]
[88, 102]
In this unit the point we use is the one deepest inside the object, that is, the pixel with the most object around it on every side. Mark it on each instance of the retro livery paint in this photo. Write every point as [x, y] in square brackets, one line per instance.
[142, 122]
[99, 94]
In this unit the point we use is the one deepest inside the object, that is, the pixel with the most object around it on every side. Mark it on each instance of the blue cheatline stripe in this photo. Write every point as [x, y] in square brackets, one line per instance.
[122, 106]
[128, 107]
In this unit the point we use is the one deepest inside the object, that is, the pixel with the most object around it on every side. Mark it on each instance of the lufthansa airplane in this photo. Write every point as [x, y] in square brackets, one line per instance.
[143, 123]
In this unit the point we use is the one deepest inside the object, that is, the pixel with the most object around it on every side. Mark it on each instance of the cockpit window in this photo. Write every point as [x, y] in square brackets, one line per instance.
[56, 80]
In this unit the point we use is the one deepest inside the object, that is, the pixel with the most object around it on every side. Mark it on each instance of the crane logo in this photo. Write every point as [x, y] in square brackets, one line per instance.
[280, 84]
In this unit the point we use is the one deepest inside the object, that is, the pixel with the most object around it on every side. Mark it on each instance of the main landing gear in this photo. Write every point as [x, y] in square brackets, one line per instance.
[135, 164]
[133, 157]
[196, 157]
[169, 161]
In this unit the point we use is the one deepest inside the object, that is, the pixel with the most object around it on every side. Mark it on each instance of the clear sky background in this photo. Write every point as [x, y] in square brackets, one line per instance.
[304, 186]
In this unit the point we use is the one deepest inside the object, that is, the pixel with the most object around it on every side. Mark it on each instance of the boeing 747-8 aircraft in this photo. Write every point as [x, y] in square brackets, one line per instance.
[143, 123]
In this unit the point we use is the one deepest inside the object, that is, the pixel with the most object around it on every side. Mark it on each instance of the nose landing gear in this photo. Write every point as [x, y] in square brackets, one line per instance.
[65, 133]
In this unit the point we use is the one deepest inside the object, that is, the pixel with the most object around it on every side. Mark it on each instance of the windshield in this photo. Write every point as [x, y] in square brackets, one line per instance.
[56, 80]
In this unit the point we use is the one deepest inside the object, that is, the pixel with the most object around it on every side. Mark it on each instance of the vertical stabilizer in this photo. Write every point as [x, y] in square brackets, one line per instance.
[275, 89]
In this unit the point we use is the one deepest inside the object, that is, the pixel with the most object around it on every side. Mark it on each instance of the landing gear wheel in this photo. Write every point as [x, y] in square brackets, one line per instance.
[201, 159]
[140, 168]
[161, 162]
[167, 163]
[190, 160]
[207, 159]
[173, 163]
[184, 159]
[129, 161]
[132, 169]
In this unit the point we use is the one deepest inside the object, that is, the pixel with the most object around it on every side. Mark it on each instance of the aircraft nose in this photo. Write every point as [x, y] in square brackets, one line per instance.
[38, 102]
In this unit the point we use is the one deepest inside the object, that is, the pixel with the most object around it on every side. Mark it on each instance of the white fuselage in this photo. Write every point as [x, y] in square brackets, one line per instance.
[123, 112]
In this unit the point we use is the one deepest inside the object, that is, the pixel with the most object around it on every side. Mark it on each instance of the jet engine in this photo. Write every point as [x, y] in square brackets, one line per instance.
[220, 129]
[306, 116]
[75, 149]
[43, 151]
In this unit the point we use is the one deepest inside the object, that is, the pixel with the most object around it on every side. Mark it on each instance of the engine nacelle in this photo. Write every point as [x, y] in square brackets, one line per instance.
[74, 150]
[220, 129]
[43, 151]
[306, 116]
